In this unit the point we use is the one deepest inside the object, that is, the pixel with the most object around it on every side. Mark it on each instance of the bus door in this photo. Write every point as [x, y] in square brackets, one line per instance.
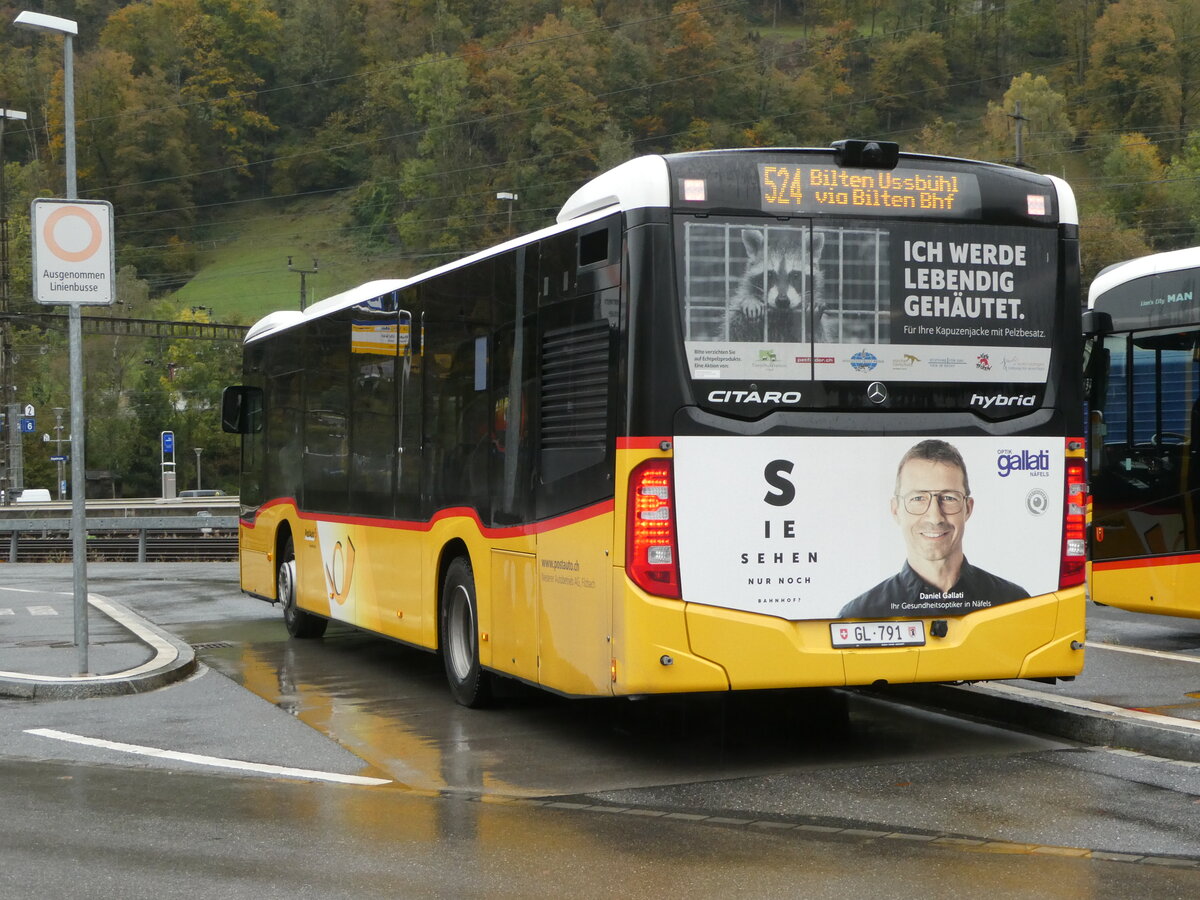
[404, 611]
[511, 616]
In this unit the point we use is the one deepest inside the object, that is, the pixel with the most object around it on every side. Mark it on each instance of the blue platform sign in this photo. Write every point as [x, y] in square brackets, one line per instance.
[168, 442]
[28, 426]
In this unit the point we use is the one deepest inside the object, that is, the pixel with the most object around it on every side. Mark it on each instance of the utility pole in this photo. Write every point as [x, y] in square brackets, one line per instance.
[59, 459]
[12, 474]
[303, 287]
[1020, 120]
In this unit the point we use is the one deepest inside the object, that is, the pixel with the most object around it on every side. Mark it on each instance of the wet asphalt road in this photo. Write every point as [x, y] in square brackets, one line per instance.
[741, 796]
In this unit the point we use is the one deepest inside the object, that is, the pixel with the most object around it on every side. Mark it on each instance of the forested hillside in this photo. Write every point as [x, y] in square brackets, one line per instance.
[404, 118]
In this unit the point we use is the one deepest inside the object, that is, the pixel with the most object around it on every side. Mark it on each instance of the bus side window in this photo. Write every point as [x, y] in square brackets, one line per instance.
[512, 386]
[284, 423]
[326, 425]
[373, 422]
[457, 318]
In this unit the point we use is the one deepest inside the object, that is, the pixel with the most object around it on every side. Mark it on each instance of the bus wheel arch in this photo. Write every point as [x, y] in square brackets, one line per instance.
[299, 624]
[458, 629]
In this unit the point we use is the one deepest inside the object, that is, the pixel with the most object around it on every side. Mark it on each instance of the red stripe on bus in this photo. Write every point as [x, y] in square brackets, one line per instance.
[572, 518]
[1185, 559]
[641, 443]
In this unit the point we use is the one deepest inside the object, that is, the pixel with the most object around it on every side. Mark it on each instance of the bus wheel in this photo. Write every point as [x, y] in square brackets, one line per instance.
[300, 624]
[470, 685]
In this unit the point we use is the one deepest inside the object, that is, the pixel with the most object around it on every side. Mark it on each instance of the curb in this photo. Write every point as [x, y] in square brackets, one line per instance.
[1066, 717]
[173, 661]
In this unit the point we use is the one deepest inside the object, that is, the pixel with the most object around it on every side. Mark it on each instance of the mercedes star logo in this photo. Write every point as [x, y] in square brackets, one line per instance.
[877, 392]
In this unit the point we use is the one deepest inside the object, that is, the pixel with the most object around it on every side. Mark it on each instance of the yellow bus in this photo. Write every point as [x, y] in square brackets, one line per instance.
[720, 427]
[1143, 393]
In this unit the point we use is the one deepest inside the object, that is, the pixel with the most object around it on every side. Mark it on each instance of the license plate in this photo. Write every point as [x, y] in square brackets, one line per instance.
[877, 634]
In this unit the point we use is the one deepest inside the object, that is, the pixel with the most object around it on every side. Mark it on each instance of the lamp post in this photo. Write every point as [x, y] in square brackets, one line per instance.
[199, 450]
[68, 29]
[10, 438]
[511, 197]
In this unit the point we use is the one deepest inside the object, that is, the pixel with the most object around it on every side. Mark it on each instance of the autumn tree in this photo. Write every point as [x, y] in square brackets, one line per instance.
[1103, 240]
[1127, 81]
[317, 103]
[909, 76]
[1182, 185]
[214, 55]
[1134, 189]
[1045, 121]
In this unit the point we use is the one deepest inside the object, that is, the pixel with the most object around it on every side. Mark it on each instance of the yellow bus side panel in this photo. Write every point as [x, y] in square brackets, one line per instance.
[256, 557]
[575, 615]
[1166, 588]
[363, 575]
[372, 578]
[513, 616]
[311, 592]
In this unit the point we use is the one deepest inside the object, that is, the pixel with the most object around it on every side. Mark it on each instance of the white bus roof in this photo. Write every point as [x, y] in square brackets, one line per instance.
[1154, 264]
[640, 183]
[286, 318]
[278, 321]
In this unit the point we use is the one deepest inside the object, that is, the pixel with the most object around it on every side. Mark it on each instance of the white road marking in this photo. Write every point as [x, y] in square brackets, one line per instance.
[1140, 651]
[215, 761]
[7, 612]
[42, 610]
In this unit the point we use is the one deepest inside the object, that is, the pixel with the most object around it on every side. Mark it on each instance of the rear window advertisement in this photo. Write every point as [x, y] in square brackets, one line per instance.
[862, 301]
[890, 527]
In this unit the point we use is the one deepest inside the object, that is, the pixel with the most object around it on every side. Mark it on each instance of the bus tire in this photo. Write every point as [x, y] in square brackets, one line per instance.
[300, 624]
[469, 684]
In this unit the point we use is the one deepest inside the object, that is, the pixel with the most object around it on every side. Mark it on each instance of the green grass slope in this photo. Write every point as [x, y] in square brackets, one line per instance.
[242, 262]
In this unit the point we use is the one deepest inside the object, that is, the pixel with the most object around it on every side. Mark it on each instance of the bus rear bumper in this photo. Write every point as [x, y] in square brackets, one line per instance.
[710, 649]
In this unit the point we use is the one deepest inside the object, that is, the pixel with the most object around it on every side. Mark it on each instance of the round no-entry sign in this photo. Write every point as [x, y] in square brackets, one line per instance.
[73, 252]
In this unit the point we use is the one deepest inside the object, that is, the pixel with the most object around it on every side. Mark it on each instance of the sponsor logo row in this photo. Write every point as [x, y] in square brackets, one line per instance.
[865, 360]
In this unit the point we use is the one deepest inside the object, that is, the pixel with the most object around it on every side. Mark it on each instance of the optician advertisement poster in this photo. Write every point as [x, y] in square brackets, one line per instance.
[836, 527]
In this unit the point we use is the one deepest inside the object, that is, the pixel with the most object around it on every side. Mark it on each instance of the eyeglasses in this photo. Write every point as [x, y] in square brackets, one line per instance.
[949, 502]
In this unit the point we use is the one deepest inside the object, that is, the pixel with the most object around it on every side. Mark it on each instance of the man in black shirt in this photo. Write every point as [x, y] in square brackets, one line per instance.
[931, 504]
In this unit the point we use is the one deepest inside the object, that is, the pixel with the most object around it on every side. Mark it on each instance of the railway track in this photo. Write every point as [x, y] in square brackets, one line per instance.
[117, 547]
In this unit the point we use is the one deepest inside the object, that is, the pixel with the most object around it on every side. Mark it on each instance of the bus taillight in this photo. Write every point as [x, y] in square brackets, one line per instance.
[651, 558]
[1074, 549]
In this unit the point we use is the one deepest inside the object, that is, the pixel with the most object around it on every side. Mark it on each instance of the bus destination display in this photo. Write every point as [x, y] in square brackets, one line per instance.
[830, 189]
